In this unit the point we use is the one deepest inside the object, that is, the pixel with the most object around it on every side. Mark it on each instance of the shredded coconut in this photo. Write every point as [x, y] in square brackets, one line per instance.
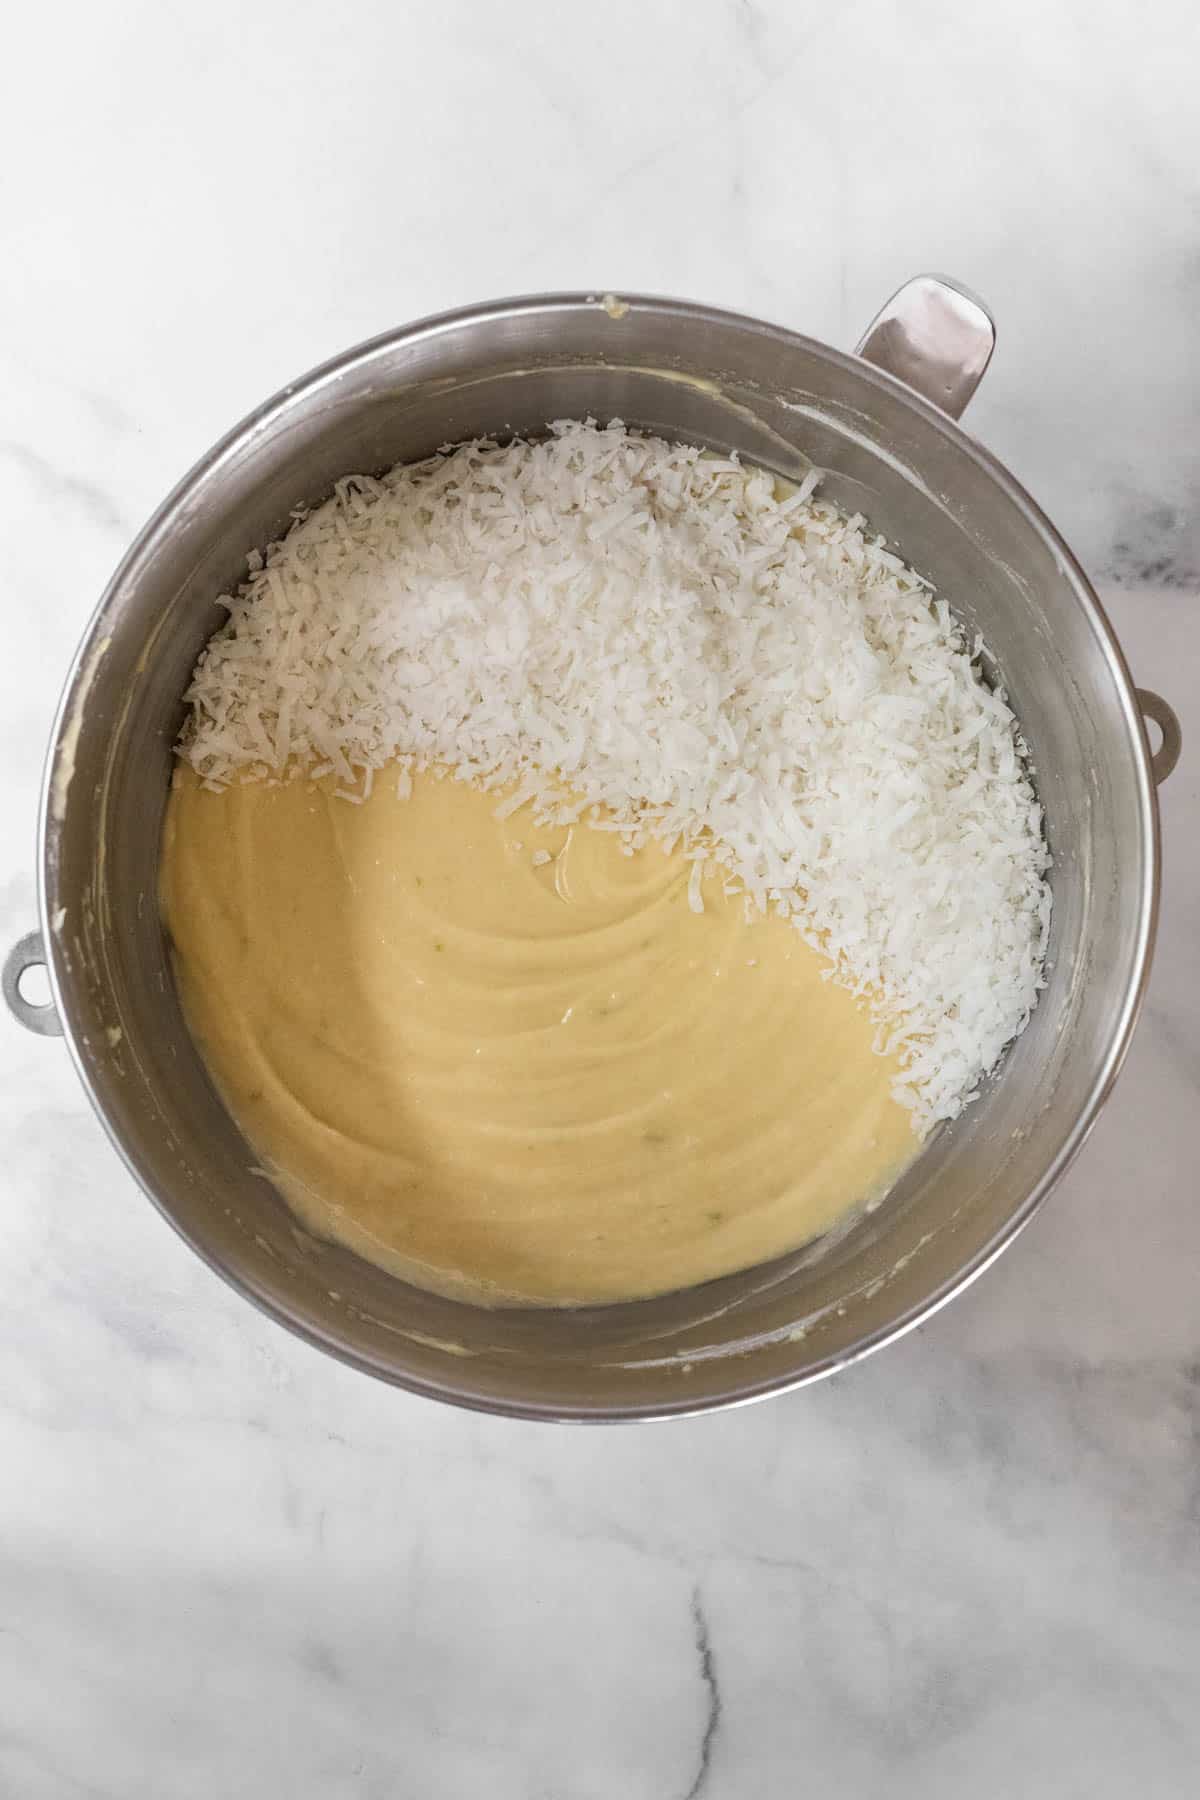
[612, 621]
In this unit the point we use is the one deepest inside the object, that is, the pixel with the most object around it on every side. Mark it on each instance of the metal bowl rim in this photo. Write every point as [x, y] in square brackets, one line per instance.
[240, 437]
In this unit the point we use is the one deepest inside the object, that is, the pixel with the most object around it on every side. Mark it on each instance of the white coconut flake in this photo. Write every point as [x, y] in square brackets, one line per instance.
[609, 620]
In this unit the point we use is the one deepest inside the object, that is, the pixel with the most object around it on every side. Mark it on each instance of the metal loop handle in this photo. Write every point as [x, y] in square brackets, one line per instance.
[936, 337]
[1162, 760]
[29, 953]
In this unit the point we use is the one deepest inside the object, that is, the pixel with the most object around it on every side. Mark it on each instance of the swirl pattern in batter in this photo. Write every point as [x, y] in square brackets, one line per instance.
[510, 1061]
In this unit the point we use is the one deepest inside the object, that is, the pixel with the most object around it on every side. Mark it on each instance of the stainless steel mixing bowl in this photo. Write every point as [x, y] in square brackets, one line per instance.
[880, 423]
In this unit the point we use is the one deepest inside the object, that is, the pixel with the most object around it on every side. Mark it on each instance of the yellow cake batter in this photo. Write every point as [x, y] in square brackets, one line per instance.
[510, 1062]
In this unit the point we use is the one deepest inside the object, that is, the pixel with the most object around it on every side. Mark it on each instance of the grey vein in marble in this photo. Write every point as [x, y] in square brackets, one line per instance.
[712, 1714]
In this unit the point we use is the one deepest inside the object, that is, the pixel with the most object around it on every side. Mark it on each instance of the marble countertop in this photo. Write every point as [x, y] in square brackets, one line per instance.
[230, 1567]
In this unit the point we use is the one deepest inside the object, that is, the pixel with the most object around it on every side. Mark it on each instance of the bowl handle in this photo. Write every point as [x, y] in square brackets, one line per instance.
[29, 953]
[936, 337]
[1162, 760]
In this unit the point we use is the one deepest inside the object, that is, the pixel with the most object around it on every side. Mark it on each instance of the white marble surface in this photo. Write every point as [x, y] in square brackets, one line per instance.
[229, 1567]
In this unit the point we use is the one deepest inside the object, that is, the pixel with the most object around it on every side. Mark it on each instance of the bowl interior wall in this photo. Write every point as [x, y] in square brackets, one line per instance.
[715, 381]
